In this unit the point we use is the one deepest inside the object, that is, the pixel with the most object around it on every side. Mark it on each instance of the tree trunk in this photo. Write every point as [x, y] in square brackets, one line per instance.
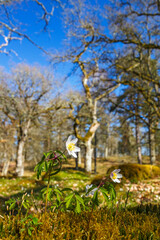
[89, 151]
[95, 154]
[88, 144]
[152, 148]
[5, 165]
[138, 142]
[79, 158]
[106, 151]
[20, 157]
[107, 142]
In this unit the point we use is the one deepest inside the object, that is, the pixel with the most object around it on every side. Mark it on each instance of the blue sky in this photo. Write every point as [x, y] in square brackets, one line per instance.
[28, 15]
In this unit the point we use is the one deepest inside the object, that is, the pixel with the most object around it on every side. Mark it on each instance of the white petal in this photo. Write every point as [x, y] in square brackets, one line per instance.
[119, 175]
[117, 170]
[113, 179]
[74, 141]
[77, 149]
[74, 155]
[68, 140]
[87, 187]
[117, 180]
[69, 152]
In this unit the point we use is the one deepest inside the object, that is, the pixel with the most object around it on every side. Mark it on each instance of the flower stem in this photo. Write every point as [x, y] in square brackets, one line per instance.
[47, 194]
[101, 184]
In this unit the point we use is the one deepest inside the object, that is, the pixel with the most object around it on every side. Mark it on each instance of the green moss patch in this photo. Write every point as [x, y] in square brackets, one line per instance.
[104, 224]
[136, 172]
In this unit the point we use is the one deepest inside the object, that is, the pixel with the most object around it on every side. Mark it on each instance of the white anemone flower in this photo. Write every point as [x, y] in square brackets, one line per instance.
[71, 148]
[115, 175]
[91, 192]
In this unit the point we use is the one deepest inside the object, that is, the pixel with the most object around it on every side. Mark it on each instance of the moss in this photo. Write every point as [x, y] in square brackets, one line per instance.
[137, 172]
[97, 179]
[104, 224]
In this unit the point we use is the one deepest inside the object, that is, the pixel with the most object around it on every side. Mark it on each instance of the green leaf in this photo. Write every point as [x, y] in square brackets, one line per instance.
[29, 232]
[66, 189]
[49, 195]
[105, 193]
[58, 197]
[95, 198]
[31, 228]
[35, 220]
[78, 208]
[56, 171]
[105, 196]
[68, 197]
[47, 154]
[58, 191]
[1, 226]
[111, 191]
[44, 189]
[12, 206]
[46, 167]
[80, 199]
[25, 205]
[68, 200]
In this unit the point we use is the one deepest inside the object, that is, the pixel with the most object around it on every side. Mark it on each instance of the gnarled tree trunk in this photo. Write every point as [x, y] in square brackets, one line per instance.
[88, 144]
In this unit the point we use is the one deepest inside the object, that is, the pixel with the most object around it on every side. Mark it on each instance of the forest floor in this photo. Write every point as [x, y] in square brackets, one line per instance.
[145, 191]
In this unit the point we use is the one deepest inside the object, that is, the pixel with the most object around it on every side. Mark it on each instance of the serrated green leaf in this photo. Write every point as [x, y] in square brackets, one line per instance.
[61, 153]
[69, 200]
[44, 189]
[47, 154]
[54, 173]
[49, 196]
[46, 167]
[111, 191]
[78, 207]
[80, 199]
[103, 190]
[58, 191]
[95, 198]
[58, 197]
[66, 189]
[68, 197]
[105, 196]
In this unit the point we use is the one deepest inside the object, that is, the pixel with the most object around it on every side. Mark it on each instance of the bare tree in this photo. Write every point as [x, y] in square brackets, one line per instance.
[12, 29]
[83, 30]
[23, 101]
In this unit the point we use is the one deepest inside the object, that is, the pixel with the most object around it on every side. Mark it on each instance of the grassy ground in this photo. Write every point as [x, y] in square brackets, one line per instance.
[140, 192]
